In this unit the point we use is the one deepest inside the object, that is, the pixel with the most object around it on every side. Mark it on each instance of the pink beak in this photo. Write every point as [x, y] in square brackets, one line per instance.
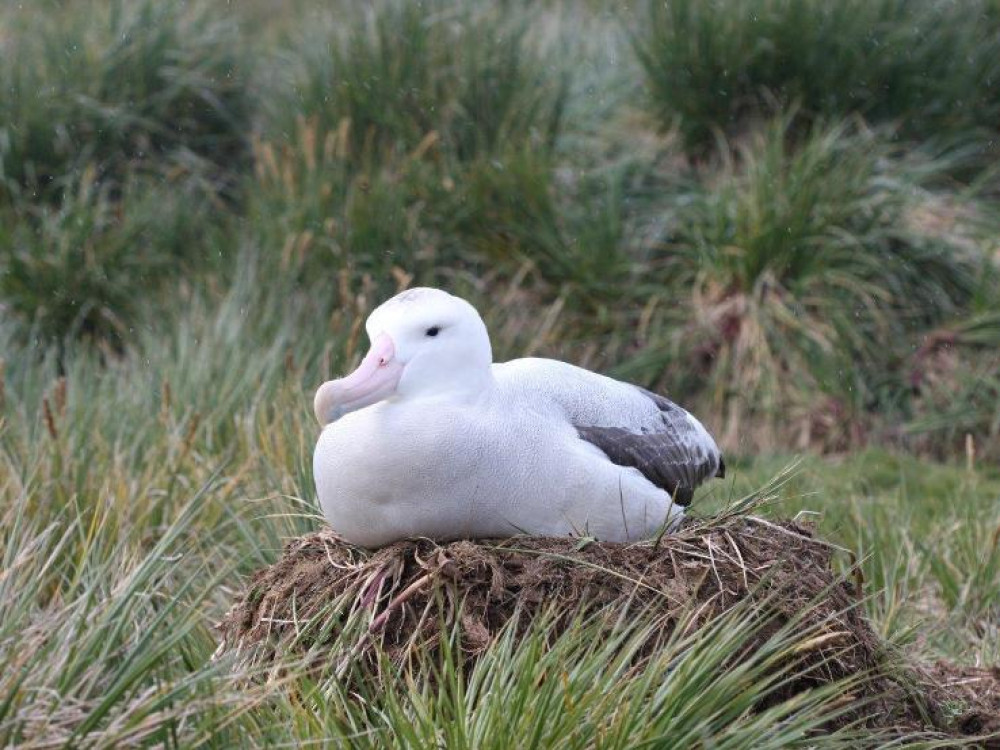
[375, 379]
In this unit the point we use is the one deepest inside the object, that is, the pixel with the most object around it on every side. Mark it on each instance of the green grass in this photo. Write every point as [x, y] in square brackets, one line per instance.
[138, 498]
[94, 266]
[711, 66]
[396, 74]
[314, 216]
[393, 128]
[799, 256]
[116, 86]
[199, 205]
[956, 373]
[925, 536]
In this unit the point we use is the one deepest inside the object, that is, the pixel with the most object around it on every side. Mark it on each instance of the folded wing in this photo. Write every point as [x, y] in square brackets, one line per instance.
[630, 425]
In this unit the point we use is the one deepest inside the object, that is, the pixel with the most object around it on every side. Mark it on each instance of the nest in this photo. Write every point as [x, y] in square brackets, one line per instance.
[412, 593]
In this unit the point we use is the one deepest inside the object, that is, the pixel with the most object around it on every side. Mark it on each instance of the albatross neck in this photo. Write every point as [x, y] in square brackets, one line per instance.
[466, 385]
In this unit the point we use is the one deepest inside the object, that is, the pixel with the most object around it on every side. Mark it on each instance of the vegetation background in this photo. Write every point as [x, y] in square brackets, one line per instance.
[782, 213]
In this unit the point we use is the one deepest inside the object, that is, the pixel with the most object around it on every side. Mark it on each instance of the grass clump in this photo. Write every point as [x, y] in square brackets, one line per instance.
[76, 270]
[523, 687]
[316, 216]
[519, 211]
[800, 282]
[400, 73]
[398, 119]
[955, 377]
[119, 85]
[78, 669]
[929, 67]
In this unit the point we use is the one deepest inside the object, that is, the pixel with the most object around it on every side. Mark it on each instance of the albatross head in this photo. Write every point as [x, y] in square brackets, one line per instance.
[424, 342]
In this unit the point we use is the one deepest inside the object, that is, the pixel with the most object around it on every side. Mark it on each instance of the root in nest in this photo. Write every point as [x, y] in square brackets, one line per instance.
[409, 596]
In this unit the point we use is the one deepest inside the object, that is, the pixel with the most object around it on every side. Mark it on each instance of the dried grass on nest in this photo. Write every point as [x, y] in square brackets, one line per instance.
[411, 594]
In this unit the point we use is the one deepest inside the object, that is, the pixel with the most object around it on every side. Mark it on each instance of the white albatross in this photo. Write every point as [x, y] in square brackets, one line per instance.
[430, 438]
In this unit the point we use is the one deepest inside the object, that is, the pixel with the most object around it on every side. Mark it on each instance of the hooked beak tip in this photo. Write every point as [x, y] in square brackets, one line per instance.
[375, 379]
[322, 406]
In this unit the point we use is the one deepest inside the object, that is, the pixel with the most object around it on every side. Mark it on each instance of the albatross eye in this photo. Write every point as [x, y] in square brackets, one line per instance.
[433, 330]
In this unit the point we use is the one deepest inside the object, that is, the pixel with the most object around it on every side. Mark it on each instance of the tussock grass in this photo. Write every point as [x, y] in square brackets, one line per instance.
[801, 286]
[454, 158]
[195, 219]
[712, 66]
[314, 215]
[136, 493]
[115, 85]
[402, 124]
[955, 374]
[89, 267]
[396, 74]
[87, 628]
[578, 690]
[119, 125]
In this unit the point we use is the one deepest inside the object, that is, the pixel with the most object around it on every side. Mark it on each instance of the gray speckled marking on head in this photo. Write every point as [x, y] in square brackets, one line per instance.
[414, 295]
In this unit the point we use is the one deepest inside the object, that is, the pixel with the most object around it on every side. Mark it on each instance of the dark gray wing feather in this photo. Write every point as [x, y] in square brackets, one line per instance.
[671, 452]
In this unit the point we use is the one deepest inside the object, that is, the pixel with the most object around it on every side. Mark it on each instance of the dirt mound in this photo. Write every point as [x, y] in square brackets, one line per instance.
[973, 696]
[411, 591]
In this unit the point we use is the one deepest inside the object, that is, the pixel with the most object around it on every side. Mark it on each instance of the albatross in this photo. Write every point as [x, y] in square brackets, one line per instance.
[429, 437]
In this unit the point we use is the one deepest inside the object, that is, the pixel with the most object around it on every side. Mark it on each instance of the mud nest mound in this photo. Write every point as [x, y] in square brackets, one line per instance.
[411, 593]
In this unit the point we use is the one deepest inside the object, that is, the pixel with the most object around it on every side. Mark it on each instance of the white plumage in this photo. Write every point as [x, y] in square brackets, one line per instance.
[430, 438]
